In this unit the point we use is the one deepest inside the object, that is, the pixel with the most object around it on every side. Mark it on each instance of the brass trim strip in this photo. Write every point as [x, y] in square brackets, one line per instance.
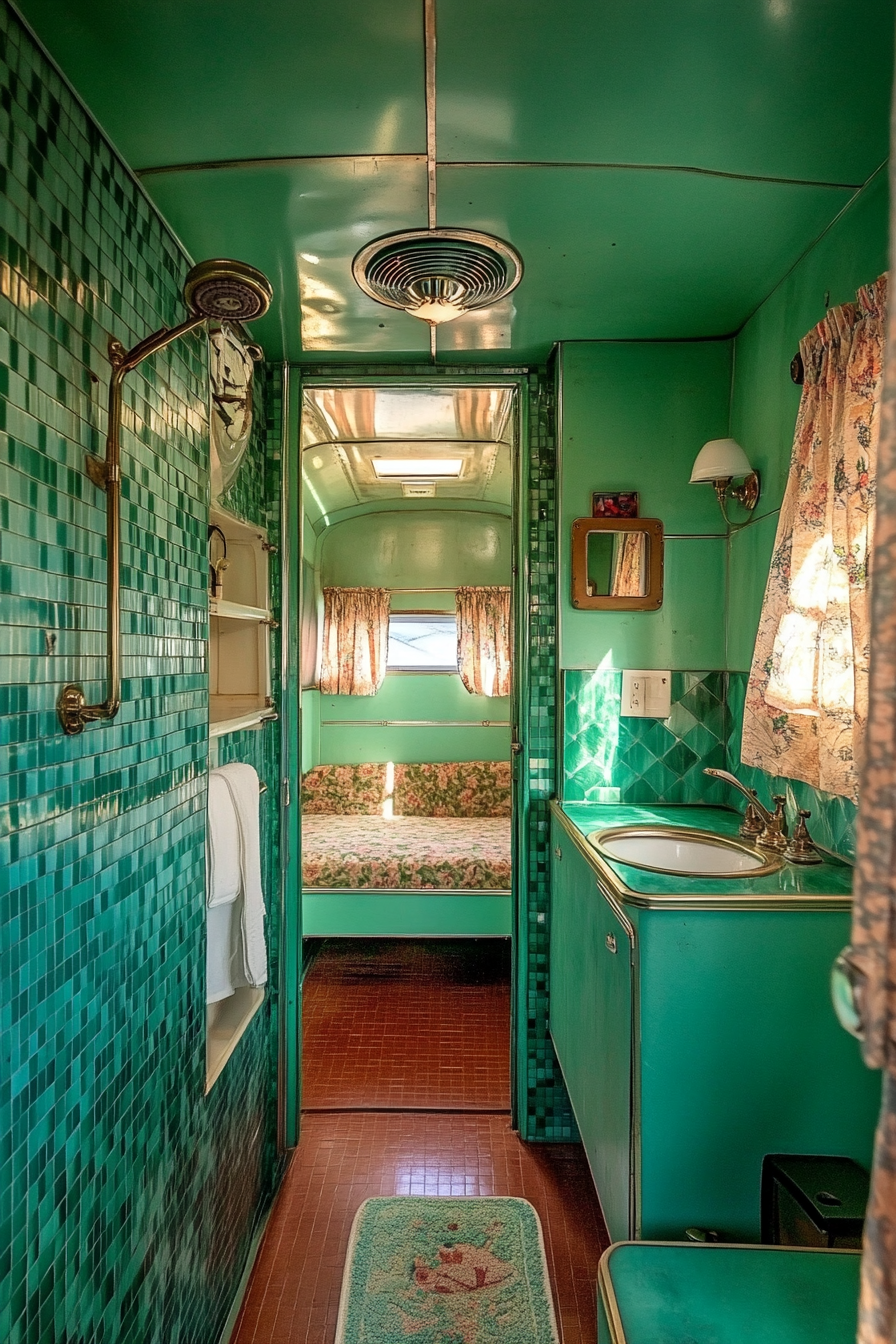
[607, 1292]
[429, 40]
[610, 896]
[275, 160]
[624, 896]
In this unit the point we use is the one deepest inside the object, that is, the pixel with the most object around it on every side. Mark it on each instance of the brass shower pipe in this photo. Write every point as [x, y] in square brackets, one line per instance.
[214, 291]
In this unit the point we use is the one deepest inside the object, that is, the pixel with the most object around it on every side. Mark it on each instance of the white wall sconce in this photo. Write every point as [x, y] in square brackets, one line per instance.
[718, 463]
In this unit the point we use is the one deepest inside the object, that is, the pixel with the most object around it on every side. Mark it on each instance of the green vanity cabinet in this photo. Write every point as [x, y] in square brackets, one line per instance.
[591, 1022]
[707, 1038]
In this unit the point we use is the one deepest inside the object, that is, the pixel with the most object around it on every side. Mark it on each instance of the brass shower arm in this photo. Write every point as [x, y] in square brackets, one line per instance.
[74, 712]
[214, 291]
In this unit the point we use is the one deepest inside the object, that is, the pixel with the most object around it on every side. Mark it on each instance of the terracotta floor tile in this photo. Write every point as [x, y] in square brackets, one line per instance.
[362, 1006]
[400, 1023]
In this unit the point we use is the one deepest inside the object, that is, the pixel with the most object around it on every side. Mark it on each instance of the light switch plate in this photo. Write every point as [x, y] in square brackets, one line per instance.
[646, 695]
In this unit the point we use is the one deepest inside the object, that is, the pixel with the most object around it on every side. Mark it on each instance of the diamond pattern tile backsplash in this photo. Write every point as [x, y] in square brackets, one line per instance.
[128, 1197]
[614, 759]
[611, 758]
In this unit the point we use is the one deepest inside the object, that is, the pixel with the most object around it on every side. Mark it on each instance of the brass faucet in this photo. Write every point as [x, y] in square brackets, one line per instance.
[766, 829]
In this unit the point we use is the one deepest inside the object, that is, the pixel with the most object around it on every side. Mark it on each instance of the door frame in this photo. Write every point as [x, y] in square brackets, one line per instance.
[296, 378]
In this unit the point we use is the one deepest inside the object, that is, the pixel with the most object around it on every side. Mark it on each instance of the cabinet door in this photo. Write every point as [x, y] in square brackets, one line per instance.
[591, 1024]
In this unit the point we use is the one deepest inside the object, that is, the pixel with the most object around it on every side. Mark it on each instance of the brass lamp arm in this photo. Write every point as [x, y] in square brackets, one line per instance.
[105, 473]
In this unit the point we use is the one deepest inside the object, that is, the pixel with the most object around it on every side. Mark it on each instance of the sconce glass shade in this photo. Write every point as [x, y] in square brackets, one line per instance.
[719, 460]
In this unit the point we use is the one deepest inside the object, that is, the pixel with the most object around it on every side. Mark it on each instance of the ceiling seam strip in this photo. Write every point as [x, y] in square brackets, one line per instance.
[429, 45]
[223, 165]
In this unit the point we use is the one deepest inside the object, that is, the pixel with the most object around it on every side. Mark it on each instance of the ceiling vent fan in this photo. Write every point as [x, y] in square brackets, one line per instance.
[437, 274]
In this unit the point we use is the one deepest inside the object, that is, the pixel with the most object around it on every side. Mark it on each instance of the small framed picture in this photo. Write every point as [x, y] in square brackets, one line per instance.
[615, 504]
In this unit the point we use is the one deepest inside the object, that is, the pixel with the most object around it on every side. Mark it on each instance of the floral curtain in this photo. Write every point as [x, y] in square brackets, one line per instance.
[807, 698]
[356, 640]
[483, 640]
[872, 952]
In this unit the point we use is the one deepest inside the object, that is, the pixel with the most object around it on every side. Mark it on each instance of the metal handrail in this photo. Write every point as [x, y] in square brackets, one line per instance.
[74, 712]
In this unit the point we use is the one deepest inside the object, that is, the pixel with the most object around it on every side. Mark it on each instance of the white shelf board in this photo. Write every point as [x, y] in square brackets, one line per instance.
[251, 719]
[235, 611]
[226, 1022]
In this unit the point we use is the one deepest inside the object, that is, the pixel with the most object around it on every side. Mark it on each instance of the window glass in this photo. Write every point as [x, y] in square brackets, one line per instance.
[422, 643]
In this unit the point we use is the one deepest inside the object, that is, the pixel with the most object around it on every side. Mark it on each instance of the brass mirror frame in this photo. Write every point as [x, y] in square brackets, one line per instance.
[582, 529]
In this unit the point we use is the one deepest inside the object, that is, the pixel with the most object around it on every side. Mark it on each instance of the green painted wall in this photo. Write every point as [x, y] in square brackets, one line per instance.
[765, 400]
[406, 548]
[633, 417]
[406, 695]
[409, 548]
[129, 1197]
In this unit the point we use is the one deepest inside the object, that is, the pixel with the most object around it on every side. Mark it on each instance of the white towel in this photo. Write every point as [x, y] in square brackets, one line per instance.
[219, 953]
[223, 878]
[242, 781]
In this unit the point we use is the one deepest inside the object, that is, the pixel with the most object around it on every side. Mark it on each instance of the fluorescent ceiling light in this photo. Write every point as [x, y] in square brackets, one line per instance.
[415, 467]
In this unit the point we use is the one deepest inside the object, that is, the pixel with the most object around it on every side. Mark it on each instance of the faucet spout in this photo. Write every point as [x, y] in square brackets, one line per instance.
[749, 794]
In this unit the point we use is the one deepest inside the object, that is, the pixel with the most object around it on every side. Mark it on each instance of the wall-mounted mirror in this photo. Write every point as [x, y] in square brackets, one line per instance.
[617, 564]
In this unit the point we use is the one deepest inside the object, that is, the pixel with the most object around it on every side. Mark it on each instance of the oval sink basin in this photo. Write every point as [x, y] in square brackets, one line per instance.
[682, 850]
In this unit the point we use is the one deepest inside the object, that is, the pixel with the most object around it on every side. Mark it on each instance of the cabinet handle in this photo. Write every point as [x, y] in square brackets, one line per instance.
[558, 852]
[611, 942]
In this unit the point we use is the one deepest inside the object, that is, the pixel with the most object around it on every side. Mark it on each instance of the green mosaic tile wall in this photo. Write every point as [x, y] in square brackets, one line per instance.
[548, 1114]
[833, 820]
[609, 758]
[127, 1198]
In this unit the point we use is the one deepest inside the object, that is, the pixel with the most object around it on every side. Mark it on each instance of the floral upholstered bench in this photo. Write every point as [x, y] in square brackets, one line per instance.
[407, 849]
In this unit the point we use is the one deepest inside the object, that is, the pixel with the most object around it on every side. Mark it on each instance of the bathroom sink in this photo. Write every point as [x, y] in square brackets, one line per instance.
[684, 851]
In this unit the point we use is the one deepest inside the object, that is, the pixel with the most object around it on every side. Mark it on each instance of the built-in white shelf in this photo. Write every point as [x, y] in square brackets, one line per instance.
[239, 631]
[236, 611]
[226, 1021]
[254, 719]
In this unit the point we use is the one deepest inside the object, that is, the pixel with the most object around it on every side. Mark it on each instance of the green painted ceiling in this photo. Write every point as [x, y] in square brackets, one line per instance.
[626, 147]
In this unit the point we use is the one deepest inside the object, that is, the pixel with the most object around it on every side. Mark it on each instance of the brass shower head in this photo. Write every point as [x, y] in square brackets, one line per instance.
[227, 291]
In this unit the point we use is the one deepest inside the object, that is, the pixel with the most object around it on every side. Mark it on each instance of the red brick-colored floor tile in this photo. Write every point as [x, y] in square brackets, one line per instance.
[399, 1023]
[404, 1024]
[342, 1160]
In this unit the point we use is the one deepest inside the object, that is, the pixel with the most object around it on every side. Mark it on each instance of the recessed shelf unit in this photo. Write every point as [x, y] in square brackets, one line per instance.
[239, 630]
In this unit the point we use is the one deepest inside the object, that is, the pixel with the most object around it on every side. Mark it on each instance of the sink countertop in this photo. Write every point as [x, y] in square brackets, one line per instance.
[827, 884]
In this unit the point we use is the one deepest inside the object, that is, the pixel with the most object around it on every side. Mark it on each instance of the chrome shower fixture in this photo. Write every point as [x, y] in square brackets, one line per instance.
[216, 291]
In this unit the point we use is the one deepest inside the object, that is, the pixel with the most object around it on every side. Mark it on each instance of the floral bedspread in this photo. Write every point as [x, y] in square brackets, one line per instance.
[413, 852]
[444, 789]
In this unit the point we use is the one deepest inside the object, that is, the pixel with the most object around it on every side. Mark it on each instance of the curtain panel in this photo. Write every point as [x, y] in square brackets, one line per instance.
[872, 952]
[355, 641]
[483, 640]
[807, 696]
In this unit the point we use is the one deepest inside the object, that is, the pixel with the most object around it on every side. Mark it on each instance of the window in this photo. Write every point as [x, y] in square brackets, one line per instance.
[422, 642]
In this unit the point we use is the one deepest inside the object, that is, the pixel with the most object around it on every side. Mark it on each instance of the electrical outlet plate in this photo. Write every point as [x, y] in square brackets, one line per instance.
[646, 694]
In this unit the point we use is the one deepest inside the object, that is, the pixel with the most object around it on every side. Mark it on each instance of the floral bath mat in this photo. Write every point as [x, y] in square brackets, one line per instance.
[446, 1271]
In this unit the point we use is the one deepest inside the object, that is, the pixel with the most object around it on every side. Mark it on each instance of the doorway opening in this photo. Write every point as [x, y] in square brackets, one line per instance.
[407, 727]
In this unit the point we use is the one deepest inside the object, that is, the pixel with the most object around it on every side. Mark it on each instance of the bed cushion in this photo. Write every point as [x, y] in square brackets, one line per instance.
[412, 852]
[445, 789]
[345, 790]
[453, 789]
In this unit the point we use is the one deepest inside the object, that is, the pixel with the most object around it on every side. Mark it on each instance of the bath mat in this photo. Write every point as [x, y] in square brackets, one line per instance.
[446, 1271]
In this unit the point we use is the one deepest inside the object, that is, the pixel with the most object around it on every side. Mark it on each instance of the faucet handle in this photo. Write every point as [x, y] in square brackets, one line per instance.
[752, 825]
[774, 833]
[801, 848]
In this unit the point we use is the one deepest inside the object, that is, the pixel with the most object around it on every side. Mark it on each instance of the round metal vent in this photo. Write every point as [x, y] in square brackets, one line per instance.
[437, 274]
